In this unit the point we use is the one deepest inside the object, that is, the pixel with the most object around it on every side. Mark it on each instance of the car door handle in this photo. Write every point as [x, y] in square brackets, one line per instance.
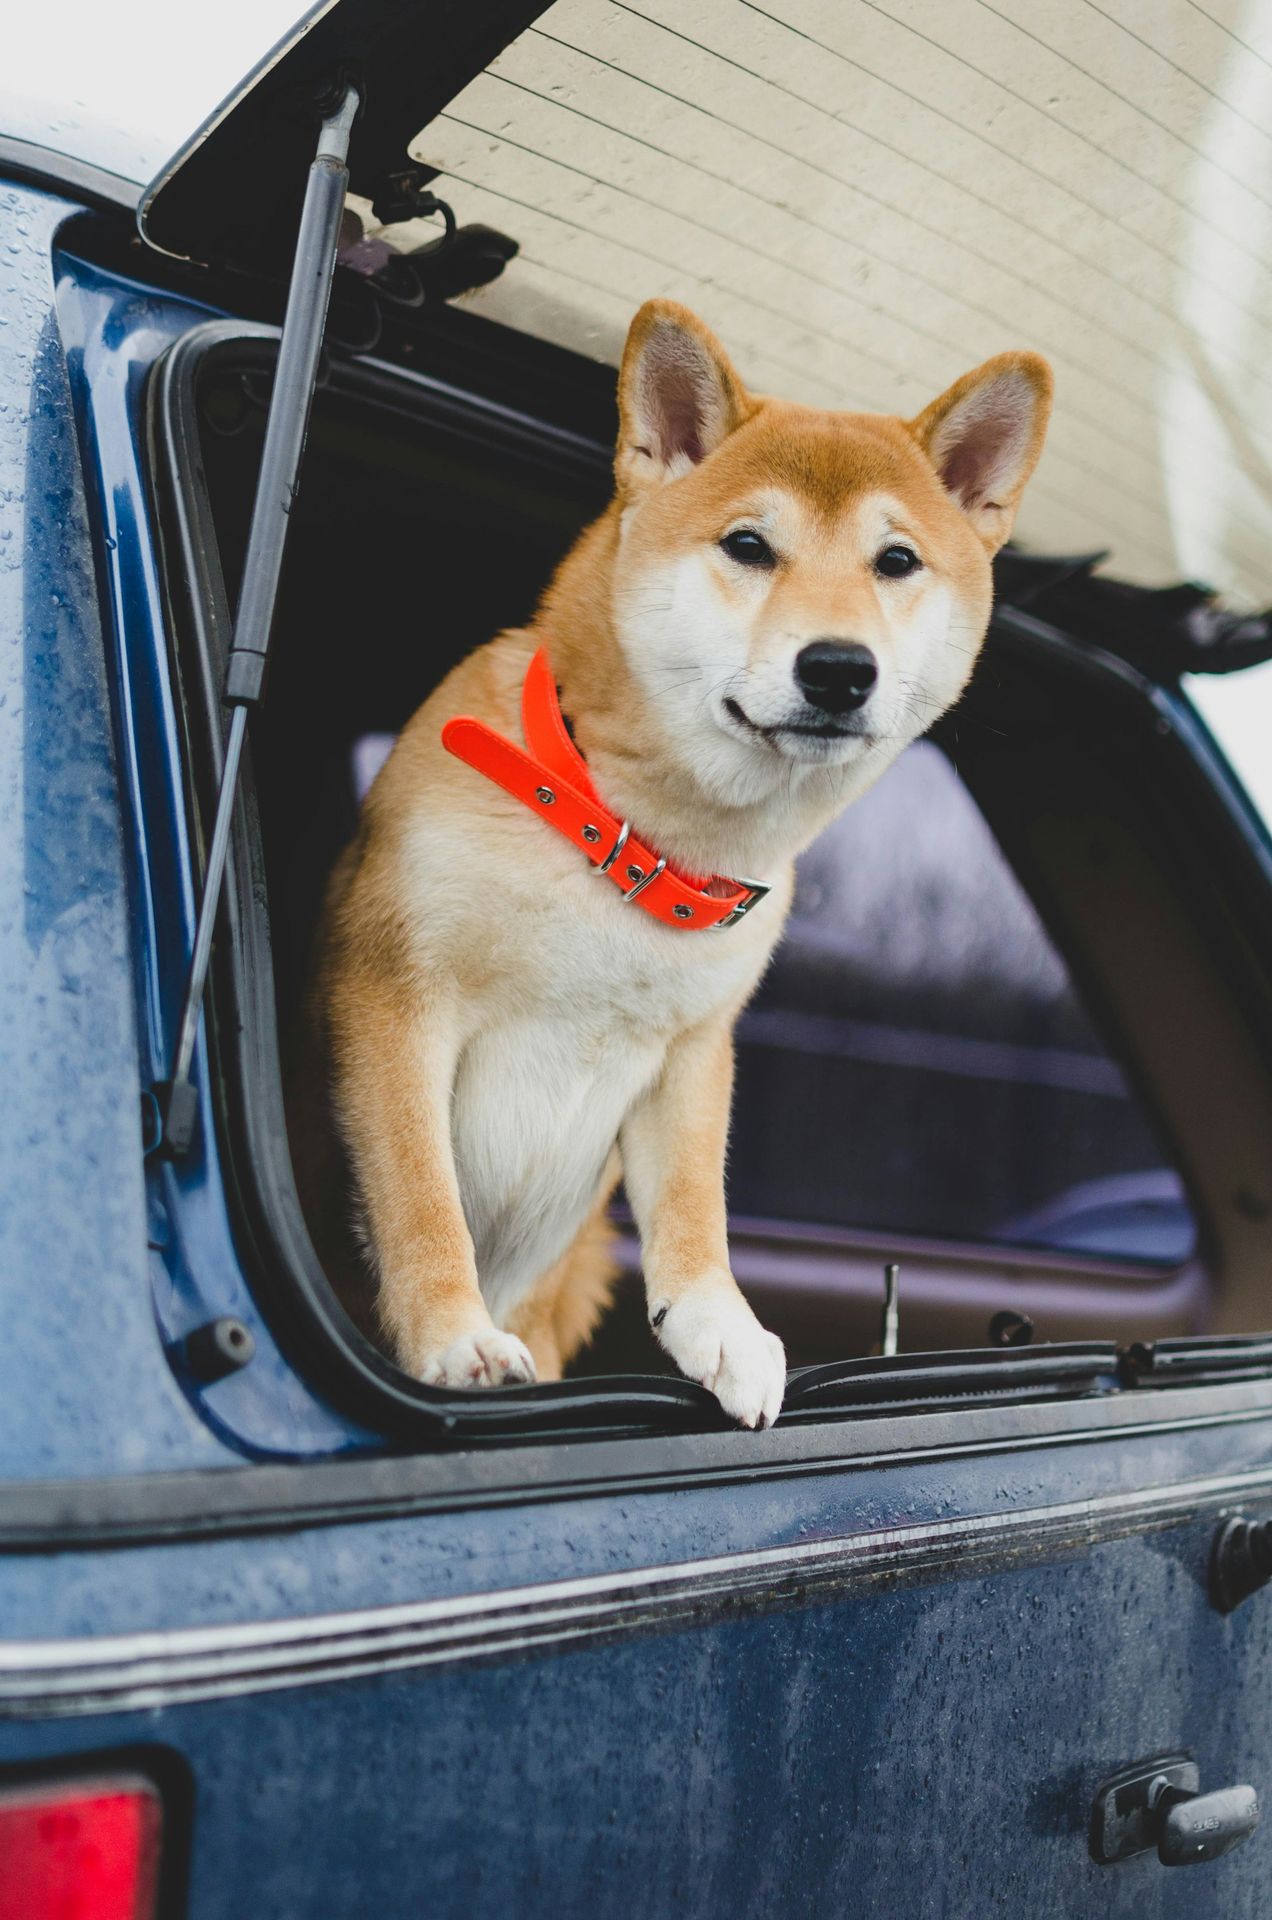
[1192, 1827]
[1156, 1803]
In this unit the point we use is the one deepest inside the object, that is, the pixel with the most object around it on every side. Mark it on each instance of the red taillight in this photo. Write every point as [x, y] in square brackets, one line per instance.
[79, 1850]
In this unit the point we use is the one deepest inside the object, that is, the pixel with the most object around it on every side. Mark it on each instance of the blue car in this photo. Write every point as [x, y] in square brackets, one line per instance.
[983, 1625]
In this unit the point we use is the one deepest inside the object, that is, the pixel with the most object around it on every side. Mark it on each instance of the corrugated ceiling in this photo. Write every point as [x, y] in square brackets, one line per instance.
[865, 197]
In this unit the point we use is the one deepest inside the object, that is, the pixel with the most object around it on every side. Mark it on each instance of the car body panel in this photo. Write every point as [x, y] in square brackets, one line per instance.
[920, 1726]
[113, 334]
[83, 1384]
[872, 1667]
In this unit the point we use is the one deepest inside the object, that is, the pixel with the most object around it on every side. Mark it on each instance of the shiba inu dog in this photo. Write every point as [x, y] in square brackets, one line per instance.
[533, 955]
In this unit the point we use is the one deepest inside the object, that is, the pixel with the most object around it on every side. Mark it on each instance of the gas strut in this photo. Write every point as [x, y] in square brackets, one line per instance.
[285, 430]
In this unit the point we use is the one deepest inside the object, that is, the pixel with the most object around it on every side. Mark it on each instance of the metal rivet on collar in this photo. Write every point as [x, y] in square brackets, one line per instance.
[544, 795]
[682, 912]
[591, 835]
[635, 873]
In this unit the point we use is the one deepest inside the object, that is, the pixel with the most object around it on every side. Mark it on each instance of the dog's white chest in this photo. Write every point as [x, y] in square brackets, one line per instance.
[571, 1029]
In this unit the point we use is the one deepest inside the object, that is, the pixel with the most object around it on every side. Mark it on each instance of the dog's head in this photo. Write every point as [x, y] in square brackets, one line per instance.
[797, 588]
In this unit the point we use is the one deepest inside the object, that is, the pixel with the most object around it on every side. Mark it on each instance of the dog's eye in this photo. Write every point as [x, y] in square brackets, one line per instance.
[895, 562]
[749, 547]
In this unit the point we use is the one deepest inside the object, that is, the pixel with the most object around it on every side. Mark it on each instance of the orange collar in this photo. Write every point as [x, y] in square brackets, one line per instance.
[552, 780]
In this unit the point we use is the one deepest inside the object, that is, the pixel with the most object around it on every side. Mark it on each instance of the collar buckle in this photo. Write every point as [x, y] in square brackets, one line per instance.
[550, 776]
[603, 866]
[756, 891]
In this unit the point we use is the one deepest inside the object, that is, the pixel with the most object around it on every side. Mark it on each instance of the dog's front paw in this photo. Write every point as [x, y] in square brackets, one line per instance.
[486, 1359]
[713, 1336]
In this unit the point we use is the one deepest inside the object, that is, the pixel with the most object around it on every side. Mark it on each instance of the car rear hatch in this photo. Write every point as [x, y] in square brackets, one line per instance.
[231, 196]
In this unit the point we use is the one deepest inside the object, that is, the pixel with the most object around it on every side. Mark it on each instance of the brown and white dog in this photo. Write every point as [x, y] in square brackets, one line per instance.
[777, 601]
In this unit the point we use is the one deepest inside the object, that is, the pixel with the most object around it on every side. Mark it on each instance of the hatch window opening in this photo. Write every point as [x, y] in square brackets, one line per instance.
[920, 1080]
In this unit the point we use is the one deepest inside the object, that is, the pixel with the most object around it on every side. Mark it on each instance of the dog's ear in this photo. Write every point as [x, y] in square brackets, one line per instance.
[678, 396]
[984, 436]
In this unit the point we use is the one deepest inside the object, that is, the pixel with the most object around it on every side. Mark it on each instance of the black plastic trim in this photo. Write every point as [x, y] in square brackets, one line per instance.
[78, 180]
[165, 1509]
[842, 1385]
[275, 1243]
[1159, 1363]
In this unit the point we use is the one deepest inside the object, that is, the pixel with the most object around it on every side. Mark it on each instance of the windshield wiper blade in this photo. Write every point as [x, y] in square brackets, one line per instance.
[308, 297]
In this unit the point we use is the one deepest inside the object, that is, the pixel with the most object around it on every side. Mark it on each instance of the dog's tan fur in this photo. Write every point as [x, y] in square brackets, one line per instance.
[478, 985]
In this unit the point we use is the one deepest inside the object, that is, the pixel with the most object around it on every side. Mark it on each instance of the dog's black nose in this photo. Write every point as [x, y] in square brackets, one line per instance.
[836, 675]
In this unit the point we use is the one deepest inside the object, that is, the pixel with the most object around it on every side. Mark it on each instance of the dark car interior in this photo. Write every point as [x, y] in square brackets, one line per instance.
[965, 1056]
